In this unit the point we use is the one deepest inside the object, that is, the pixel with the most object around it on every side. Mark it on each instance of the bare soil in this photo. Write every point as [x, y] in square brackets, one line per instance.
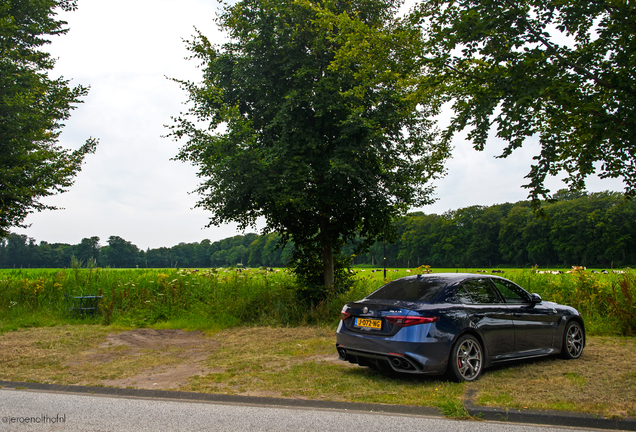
[191, 347]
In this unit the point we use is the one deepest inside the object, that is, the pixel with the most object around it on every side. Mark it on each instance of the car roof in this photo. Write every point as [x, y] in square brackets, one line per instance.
[451, 278]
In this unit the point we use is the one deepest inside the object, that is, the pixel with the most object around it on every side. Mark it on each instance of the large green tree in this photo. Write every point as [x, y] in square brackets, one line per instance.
[32, 109]
[560, 71]
[119, 253]
[311, 118]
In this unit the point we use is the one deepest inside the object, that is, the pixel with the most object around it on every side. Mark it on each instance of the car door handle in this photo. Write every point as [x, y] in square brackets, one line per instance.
[517, 315]
[478, 316]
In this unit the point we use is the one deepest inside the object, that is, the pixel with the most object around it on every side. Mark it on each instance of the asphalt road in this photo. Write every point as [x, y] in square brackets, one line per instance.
[28, 410]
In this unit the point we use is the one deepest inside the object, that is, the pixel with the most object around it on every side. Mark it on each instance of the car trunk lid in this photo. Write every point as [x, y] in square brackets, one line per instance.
[380, 318]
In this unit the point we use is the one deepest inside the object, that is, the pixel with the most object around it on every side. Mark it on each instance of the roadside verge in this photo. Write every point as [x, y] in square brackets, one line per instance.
[554, 418]
[545, 417]
[226, 399]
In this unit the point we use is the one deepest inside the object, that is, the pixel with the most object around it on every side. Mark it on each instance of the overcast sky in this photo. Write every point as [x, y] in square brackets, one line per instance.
[124, 50]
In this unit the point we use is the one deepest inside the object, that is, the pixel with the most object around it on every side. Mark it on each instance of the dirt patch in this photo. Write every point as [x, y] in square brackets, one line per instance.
[156, 339]
[160, 378]
[165, 359]
[196, 355]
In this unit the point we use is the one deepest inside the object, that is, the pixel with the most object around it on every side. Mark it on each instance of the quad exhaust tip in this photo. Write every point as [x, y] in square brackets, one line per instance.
[401, 363]
[397, 363]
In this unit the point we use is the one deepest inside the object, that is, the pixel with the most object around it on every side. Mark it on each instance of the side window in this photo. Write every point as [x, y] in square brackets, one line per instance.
[462, 296]
[481, 291]
[511, 292]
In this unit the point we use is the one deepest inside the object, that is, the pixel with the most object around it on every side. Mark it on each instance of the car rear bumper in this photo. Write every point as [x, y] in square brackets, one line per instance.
[427, 355]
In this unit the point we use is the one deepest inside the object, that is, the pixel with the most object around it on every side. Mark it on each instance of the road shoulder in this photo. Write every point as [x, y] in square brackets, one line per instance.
[540, 417]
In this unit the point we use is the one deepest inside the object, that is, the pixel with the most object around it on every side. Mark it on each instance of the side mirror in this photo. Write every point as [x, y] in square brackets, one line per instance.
[535, 298]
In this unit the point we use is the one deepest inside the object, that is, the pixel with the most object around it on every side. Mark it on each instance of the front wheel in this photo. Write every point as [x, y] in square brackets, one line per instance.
[573, 341]
[466, 359]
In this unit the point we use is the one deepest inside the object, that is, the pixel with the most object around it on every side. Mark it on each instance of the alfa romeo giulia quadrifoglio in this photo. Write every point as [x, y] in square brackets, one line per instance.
[455, 323]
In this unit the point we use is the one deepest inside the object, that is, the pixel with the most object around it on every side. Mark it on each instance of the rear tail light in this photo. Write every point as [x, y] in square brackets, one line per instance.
[344, 315]
[406, 321]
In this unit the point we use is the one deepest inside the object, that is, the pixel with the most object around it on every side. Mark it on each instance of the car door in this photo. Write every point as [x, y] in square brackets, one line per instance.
[534, 323]
[489, 314]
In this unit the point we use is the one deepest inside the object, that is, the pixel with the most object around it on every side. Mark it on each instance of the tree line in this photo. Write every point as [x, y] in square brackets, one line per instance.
[19, 251]
[597, 229]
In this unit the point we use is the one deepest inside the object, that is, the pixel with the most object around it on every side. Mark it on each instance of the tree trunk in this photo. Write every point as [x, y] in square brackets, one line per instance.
[327, 262]
[327, 251]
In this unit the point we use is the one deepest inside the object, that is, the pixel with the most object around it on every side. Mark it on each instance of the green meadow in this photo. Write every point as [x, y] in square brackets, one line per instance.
[216, 299]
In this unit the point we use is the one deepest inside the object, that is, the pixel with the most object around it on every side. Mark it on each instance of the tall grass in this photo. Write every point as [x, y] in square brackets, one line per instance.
[606, 302]
[207, 299]
[222, 298]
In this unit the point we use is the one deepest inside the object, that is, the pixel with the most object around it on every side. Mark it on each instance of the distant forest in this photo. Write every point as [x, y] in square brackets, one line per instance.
[596, 229]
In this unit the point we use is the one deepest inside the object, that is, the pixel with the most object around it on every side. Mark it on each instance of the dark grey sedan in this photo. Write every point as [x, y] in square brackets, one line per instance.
[455, 323]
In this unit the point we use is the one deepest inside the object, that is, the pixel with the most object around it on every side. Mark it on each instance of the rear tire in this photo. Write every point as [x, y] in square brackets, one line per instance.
[573, 341]
[466, 360]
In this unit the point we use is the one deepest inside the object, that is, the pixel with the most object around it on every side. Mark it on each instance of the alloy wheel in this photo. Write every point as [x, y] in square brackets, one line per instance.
[469, 359]
[574, 341]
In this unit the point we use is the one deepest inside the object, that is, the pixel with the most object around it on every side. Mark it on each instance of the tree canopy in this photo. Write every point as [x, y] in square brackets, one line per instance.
[311, 117]
[32, 109]
[564, 72]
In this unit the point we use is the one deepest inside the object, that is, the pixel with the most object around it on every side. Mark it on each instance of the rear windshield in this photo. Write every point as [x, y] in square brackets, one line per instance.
[411, 289]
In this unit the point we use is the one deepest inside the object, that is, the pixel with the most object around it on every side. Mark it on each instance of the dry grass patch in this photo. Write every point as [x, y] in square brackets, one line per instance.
[90, 355]
[602, 381]
[40, 354]
[301, 362]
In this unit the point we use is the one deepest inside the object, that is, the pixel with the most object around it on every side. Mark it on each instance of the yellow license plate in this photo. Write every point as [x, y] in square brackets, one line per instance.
[369, 323]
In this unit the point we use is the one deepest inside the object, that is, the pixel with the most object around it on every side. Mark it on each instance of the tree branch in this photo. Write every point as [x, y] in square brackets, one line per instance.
[553, 50]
